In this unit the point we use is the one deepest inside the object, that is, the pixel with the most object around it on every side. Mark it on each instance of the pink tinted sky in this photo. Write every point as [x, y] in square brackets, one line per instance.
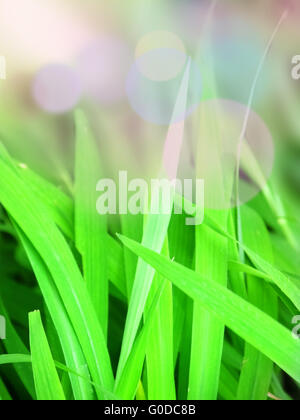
[36, 32]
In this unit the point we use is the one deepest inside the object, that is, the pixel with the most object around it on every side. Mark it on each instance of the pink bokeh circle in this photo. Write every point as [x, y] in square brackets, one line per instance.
[214, 150]
[103, 66]
[57, 88]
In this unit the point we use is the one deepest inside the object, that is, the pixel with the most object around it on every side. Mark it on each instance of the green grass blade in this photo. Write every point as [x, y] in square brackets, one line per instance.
[59, 205]
[127, 385]
[185, 351]
[160, 362]
[132, 227]
[257, 369]
[228, 385]
[182, 248]
[116, 272]
[47, 384]
[232, 357]
[282, 281]
[236, 277]
[4, 394]
[208, 331]
[90, 227]
[69, 342]
[154, 235]
[6, 359]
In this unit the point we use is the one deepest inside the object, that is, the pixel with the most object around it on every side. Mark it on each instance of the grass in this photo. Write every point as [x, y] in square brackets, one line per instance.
[151, 310]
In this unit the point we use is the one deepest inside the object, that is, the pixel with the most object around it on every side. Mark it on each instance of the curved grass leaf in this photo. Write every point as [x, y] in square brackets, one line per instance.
[69, 342]
[90, 227]
[47, 383]
[282, 281]
[154, 233]
[257, 369]
[4, 394]
[33, 218]
[7, 359]
[127, 385]
[160, 362]
[250, 323]
[208, 331]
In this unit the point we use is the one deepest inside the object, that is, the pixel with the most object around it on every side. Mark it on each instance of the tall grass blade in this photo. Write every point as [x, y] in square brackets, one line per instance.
[47, 383]
[90, 227]
[154, 235]
[69, 342]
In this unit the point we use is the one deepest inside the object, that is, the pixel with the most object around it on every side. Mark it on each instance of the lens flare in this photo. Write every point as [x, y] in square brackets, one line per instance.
[214, 153]
[57, 88]
[154, 101]
[151, 57]
[103, 66]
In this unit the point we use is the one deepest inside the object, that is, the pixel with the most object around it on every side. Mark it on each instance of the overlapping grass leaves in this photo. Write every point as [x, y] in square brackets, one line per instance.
[35, 221]
[253, 325]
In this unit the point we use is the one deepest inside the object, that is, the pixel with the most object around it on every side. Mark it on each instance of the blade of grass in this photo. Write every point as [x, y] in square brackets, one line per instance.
[257, 369]
[286, 257]
[7, 359]
[208, 331]
[90, 227]
[283, 282]
[228, 385]
[47, 384]
[159, 358]
[60, 207]
[58, 203]
[126, 387]
[211, 251]
[211, 254]
[237, 278]
[116, 272]
[185, 351]
[4, 394]
[231, 357]
[182, 248]
[154, 235]
[69, 342]
[132, 227]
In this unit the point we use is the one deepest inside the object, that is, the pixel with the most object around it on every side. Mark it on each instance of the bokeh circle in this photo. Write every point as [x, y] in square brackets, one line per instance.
[57, 88]
[213, 153]
[156, 65]
[154, 100]
[103, 66]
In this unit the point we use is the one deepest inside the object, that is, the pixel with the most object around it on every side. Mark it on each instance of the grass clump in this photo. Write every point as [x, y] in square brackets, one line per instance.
[152, 309]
